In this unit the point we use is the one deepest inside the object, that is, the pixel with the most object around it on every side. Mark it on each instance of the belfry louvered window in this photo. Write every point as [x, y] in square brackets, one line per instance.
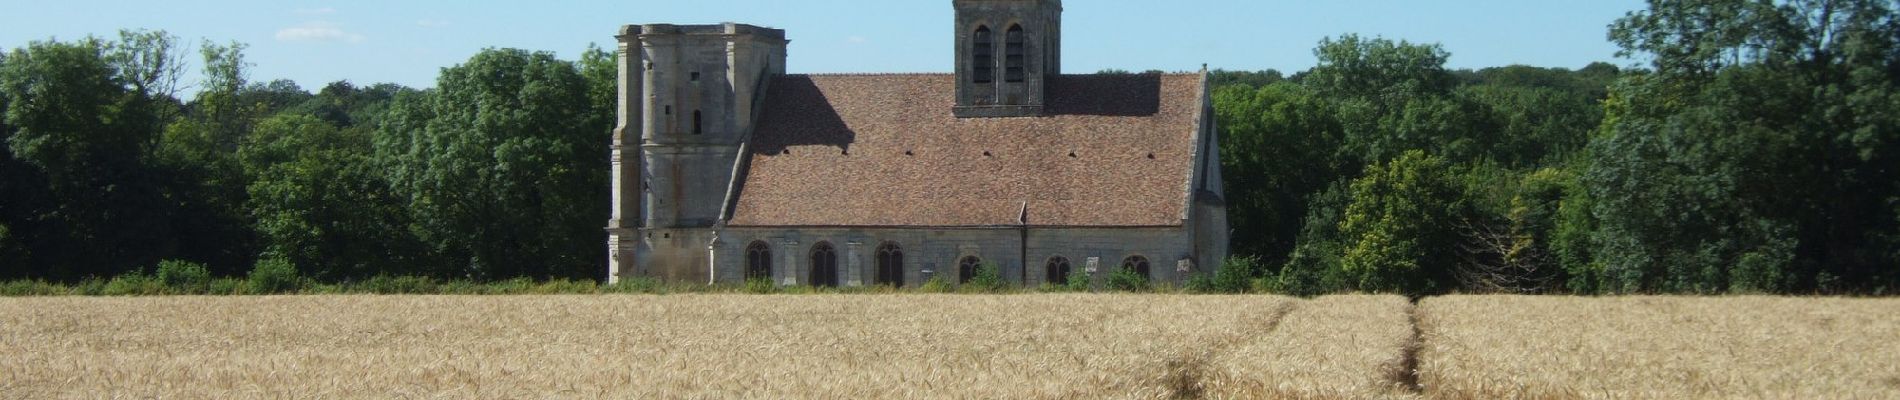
[1013, 54]
[983, 56]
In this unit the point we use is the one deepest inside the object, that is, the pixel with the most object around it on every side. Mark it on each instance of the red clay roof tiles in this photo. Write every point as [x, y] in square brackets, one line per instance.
[885, 150]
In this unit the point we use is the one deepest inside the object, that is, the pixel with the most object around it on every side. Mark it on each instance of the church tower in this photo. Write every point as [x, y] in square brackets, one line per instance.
[1006, 51]
[687, 97]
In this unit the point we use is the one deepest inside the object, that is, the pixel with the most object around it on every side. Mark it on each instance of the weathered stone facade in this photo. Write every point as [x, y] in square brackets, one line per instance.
[723, 164]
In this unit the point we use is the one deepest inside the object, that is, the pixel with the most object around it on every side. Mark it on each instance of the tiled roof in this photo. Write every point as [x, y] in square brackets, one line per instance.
[885, 150]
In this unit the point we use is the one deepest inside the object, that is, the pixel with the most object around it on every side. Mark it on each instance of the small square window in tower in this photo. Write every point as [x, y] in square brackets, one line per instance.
[1013, 54]
[983, 56]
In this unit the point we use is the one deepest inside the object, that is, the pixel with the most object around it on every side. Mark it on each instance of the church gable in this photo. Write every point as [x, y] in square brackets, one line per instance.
[887, 150]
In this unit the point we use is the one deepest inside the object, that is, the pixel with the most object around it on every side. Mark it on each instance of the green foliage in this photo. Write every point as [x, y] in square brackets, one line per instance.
[133, 284]
[502, 167]
[760, 286]
[184, 277]
[1127, 280]
[274, 275]
[1756, 153]
[226, 286]
[633, 285]
[1398, 229]
[32, 287]
[385, 284]
[988, 278]
[1234, 275]
[1278, 143]
[937, 284]
[1078, 281]
[84, 132]
[319, 201]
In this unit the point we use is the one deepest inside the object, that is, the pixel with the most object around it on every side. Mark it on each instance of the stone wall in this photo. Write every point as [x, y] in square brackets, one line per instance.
[938, 251]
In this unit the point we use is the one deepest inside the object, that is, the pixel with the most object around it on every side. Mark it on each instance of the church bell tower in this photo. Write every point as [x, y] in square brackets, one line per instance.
[687, 94]
[1006, 52]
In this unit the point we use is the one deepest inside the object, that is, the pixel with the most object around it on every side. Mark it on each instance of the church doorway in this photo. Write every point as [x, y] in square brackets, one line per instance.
[824, 265]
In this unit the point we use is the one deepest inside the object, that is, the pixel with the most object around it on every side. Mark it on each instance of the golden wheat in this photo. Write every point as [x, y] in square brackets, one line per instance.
[1660, 347]
[676, 346]
[934, 346]
[1330, 347]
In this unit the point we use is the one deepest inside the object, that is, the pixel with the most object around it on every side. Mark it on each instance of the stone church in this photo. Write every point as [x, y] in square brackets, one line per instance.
[727, 169]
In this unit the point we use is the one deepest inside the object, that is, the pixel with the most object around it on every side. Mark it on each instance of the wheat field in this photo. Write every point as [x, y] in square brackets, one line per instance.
[1660, 347]
[1329, 347]
[947, 346]
[613, 346]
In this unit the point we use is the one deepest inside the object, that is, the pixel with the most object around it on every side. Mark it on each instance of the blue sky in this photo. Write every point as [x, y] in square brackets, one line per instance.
[407, 42]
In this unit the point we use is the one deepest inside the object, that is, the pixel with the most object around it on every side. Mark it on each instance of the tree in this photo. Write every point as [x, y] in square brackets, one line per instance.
[320, 202]
[202, 177]
[1748, 102]
[1398, 229]
[502, 166]
[79, 123]
[1278, 144]
[1396, 96]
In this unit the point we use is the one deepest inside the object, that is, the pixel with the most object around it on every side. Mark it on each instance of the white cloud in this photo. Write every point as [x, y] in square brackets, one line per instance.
[317, 31]
[315, 11]
[856, 39]
[432, 23]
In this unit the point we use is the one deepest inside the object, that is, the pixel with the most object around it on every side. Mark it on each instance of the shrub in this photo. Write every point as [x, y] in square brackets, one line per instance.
[1127, 280]
[273, 275]
[1199, 283]
[132, 284]
[29, 288]
[936, 284]
[1078, 281]
[89, 287]
[385, 284]
[510, 286]
[987, 278]
[226, 286]
[184, 277]
[461, 286]
[1236, 274]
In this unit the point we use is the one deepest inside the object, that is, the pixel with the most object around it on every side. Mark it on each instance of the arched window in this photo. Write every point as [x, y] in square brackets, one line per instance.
[758, 261]
[983, 56]
[1058, 270]
[696, 126]
[824, 265]
[890, 265]
[1138, 264]
[966, 268]
[1013, 54]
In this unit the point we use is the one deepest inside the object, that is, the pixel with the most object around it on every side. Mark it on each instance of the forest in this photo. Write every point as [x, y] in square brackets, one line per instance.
[1743, 146]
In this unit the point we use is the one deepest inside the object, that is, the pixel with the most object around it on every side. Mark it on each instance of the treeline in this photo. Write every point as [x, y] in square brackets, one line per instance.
[1757, 150]
[496, 173]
